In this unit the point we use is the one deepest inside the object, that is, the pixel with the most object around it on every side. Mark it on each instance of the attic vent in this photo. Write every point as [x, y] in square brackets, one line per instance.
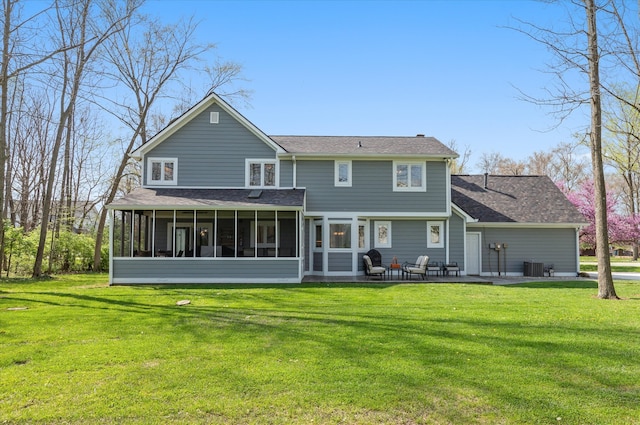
[214, 117]
[254, 194]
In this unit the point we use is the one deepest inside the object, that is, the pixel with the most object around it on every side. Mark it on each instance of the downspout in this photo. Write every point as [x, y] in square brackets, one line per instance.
[577, 251]
[447, 240]
[295, 171]
[111, 226]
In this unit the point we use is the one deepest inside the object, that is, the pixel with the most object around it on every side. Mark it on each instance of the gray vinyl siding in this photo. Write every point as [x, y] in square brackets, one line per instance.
[307, 245]
[457, 240]
[408, 242]
[340, 261]
[548, 246]
[211, 155]
[371, 189]
[317, 261]
[165, 270]
[286, 173]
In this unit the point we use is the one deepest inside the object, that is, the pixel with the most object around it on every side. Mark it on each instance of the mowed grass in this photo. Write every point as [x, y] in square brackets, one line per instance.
[618, 264]
[536, 353]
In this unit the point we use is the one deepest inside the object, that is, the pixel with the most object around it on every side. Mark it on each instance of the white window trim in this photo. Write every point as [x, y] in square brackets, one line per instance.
[162, 181]
[365, 225]
[440, 224]
[262, 162]
[315, 224]
[337, 182]
[376, 241]
[422, 188]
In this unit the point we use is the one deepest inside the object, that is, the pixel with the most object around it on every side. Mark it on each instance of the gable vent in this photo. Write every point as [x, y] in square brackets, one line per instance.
[214, 117]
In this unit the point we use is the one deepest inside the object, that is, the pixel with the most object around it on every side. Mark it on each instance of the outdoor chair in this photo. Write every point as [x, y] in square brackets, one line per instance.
[452, 268]
[371, 270]
[435, 268]
[376, 258]
[419, 268]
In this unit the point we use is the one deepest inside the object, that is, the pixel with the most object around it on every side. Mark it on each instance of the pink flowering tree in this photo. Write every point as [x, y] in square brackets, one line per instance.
[623, 229]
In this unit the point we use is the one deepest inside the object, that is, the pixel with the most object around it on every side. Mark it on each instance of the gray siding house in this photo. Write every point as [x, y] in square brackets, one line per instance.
[222, 202]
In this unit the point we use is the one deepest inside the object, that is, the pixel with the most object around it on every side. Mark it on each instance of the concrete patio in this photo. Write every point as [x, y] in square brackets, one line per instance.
[478, 280]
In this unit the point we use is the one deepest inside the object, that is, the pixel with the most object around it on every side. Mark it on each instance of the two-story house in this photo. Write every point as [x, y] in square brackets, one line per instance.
[222, 202]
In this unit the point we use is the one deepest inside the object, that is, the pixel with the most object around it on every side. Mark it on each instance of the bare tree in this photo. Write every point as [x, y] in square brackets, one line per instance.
[85, 25]
[146, 59]
[605, 280]
[577, 54]
[490, 162]
[459, 165]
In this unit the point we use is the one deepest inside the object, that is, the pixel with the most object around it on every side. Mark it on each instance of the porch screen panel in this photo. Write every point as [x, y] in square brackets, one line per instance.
[160, 236]
[246, 222]
[118, 230]
[183, 234]
[265, 234]
[225, 237]
[204, 233]
[287, 233]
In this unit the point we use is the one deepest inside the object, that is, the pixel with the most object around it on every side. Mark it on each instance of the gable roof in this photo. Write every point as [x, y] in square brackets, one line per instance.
[513, 199]
[364, 146]
[194, 111]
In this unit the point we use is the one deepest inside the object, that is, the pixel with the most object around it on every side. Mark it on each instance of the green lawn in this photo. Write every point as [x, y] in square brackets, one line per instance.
[619, 264]
[536, 353]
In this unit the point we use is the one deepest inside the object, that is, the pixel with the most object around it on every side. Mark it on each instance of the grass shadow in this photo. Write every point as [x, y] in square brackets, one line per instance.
[556, 284]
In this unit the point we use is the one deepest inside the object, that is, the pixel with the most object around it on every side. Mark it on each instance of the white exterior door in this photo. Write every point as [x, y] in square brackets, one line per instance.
[473, 260]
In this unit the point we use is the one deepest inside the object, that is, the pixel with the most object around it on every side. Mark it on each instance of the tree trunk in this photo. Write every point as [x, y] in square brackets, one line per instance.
[605, 280]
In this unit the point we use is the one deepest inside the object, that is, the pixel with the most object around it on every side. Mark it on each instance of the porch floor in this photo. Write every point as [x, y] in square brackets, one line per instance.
[479, 280]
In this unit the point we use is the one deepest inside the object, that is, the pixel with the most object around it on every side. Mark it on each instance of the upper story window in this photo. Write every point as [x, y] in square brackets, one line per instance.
[343, 173]
[409, 176]
[261, 173]
[162, 171]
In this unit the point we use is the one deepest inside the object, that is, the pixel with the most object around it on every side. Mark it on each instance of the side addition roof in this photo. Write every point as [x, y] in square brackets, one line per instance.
[364, 146]
[513, 199]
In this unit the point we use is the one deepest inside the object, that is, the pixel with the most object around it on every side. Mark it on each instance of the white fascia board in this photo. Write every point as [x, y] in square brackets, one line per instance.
[463, 214]
[369, 157]
[477, 224]
[370, 214]
[258, 207]
[195, 111]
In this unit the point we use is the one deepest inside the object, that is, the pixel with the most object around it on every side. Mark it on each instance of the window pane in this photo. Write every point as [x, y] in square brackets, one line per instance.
[402, 176]
[168, 171]
[416, 176]
[340, 235]
[156, 168]
[318, 236]
[255, 176]
[383, 234]
[435, 234]
[269, 174]
[343, 173]
[361, 236]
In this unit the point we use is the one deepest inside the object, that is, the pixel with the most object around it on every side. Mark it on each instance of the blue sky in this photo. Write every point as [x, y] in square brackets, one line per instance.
[447, 69]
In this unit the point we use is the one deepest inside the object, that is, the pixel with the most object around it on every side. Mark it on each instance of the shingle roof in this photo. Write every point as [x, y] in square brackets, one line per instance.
[365, 145]
[513, 199]
[217, 198]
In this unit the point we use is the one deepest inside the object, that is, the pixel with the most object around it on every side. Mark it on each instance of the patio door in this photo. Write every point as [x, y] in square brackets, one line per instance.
[473, 259]
[182, 241]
